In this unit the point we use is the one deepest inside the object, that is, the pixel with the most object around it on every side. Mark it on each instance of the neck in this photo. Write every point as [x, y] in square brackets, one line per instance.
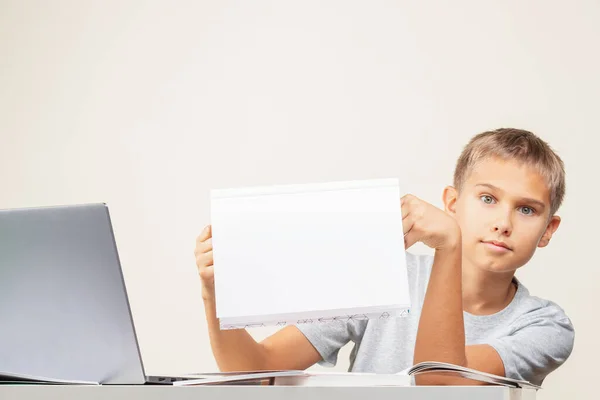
[486, 292]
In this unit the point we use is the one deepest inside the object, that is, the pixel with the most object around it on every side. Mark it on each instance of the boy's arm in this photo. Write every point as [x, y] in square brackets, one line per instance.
[441, 332]
[236, 350]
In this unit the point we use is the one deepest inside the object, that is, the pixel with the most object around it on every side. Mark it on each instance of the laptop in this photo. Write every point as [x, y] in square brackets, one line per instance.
[64, 311]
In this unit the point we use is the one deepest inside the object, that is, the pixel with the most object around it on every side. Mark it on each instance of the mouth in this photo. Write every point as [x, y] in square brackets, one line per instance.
[496, 245]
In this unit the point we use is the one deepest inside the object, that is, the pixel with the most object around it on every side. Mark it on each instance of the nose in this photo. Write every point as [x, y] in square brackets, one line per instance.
[503, 226]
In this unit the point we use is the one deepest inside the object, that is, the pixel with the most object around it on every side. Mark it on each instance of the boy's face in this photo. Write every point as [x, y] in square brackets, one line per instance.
[503, 212]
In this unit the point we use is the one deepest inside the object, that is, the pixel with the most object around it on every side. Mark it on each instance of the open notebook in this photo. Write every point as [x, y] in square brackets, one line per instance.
[309, 253]
[314, 378]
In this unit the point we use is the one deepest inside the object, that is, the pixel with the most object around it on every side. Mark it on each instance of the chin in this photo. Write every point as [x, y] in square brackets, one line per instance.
[496, 267]
[492, 263]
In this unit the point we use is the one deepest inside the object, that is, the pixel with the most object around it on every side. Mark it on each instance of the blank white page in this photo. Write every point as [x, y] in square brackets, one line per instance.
[303, 253]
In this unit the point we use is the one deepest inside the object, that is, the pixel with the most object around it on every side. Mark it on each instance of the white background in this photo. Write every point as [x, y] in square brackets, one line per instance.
[148, 105]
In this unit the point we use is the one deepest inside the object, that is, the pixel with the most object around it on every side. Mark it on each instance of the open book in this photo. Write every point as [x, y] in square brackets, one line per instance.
[311, 378]
[299, 378]
[309, 253]
[463, 372]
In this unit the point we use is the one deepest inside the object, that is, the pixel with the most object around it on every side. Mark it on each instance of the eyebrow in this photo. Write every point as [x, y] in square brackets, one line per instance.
[538, 203]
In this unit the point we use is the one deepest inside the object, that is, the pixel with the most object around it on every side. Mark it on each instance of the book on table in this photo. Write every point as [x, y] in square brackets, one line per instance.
[317, 378]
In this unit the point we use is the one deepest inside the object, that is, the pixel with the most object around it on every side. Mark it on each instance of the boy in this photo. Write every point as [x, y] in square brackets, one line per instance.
[468, 308]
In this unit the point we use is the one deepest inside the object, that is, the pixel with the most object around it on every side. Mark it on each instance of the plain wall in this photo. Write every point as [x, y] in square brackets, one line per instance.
[148, 105]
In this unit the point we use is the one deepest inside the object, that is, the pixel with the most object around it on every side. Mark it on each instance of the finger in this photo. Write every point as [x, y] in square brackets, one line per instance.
[407, 198]
[408, 224]
[410, 238]
[205, 260]
[205, 247]
[407, 204]
[206, 233]
[207, 273]
[406, 208]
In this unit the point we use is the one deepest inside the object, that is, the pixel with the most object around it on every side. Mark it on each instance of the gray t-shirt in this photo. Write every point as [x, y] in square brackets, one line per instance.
[532, 336]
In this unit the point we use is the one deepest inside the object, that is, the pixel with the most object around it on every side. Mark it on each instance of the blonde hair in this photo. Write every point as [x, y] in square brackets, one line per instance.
[515, 144]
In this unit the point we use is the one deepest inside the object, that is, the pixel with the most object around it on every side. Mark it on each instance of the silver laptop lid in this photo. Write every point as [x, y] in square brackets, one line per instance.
[64, 311]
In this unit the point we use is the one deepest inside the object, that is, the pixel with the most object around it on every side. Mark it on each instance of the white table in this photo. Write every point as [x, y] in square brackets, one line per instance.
[48, 392]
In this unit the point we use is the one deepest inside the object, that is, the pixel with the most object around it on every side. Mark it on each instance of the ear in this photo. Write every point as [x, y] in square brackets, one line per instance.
[550, 229]
[450, 196]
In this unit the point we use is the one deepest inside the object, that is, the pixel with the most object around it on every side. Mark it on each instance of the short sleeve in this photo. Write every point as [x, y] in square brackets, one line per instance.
[329, 337]
[541, 342]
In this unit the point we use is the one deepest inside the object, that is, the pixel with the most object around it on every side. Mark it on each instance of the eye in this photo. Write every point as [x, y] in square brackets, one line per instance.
[487, 199]
[527, 210]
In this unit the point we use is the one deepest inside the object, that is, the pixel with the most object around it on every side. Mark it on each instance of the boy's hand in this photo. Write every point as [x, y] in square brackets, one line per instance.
[204, 262]
[426, 223]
